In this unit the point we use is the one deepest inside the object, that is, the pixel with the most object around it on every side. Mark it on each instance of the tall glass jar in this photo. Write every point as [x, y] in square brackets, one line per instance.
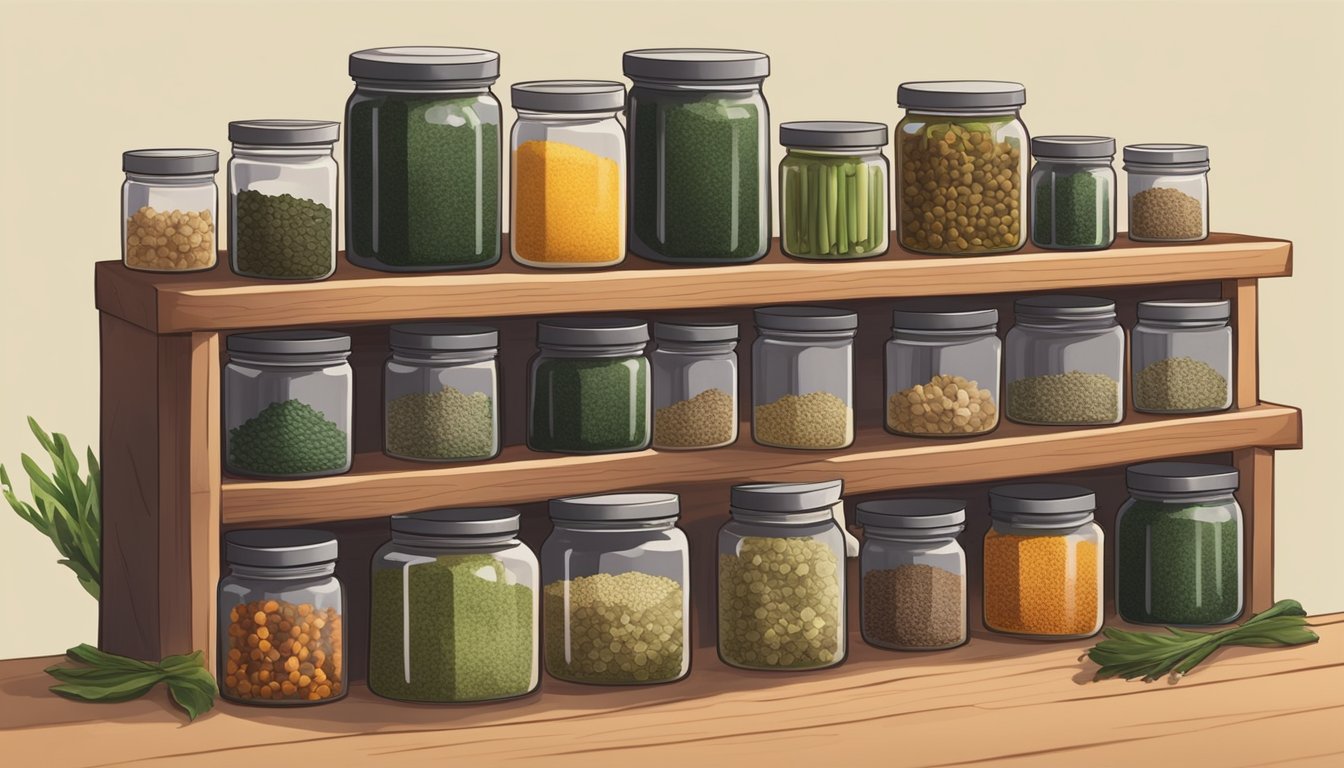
[282, 199]
[1065, 360]
[961, 167]
[833, 189]
[912, 593]
[568, 199]
[422, 159]
[943, 373]
[694, 385]
[782, 578]
[803, 377]
[281, 619]
[1181, 356]
[166, 192]
[1073, 192]
[287, 402]
[617, 594]
[453, 608]
[699, 155]
[1168, 192]
[441, 393]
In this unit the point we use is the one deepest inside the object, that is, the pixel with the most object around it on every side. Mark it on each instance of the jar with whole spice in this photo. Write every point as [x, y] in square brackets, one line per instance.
[833, 189]
[1073, 192]
[1168, 192]
[694, 385]
[169, 209]
[1064, 362]
[1181, 355]
[441, 393]
[803, 377]
[589, 386]
[943, 373]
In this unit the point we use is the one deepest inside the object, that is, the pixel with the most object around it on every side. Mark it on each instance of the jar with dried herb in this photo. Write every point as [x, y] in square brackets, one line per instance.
[441, 393]
[1064, 361]
[1168, 192]
[1181, 356]
[803, 377]
[694, 385]
[589, 388]
[943, 373]
[1073, 192]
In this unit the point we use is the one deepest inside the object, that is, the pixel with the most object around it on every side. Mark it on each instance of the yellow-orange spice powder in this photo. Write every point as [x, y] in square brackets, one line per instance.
[567, 205]
[1041, 585]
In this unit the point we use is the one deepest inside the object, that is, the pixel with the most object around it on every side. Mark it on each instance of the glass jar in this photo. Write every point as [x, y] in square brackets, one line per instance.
[833, 189]
[694, 385]
[281, 580]
[1168, 192]
[961, 167]
[453, 608]
[1073, 192]
[422, 159]
[782, 578]
[287, 398]
[590, 386]
[1181, 356]
[699, 155]
[1043, 559]
[617, 595]
[803, 377]
[568, 199]
[912, 593]
[1065, 360]
[943, 373]
[441, 393]
[282, 199]
[165, 192]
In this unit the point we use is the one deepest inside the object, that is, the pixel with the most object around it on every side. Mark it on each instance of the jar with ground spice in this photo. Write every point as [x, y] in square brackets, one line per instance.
[1179, 545]
[568, 204]
[1073, 192]
[1064, 362]
[617, 594]
[1042, 562]
[943, 373]
[833, 189]
[282, 199]
[1168, 192]
[1181, 356]
[169, 209]
[694, 385]
[281, 619]
[441, 393]
[453, 608]
[912, 593]
[803, 377]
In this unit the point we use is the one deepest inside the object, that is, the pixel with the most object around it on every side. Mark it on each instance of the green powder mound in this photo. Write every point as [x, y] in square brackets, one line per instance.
[281, 236]
[590, 405]
[288, 438]
[620, 629]
[1072, 210]
[1177, 565]
[1075, 397]
[1181, 384]
[448, 424]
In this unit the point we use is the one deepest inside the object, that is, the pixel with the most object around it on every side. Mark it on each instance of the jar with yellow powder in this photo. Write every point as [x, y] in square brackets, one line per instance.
[568, 186]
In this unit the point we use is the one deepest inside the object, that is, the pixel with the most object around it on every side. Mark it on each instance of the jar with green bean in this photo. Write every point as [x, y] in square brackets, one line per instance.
[833, 189]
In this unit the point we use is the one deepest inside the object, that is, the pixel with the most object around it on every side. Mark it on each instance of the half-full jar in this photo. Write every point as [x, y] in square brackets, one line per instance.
[617, 595]
[281, 619]
[833, 184]
[589, 386]
[782, 577]
[1168, 191]
[1181, 355]
[282, 198]
[287, 401]
[699, 155]
[943, 373]
[961, 167]
[453, 608]
[694, 385]
[803, 377]
[568, 204]
[1073, 192]
[1065, 360]
[422, 159]
[441, 392]
[913, 588]
[168, 209]
[1042, 562]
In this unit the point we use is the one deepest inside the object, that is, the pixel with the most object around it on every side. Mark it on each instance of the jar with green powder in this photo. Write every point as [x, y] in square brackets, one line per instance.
[1181, 356]
[833, 189]
[1073, 192]
[453, 608]
[441, 393]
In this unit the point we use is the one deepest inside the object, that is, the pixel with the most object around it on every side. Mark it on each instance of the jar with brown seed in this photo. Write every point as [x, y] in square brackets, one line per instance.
[802, 371]
[943, 373]
[694, 369]
[1168, 192]
[169, 207]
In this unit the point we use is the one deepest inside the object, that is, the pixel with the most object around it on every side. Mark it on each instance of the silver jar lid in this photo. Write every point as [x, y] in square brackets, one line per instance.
[971, 320]
[1167, 154]
[1178, 310]
[927, 516]
[279, 547]
[961, 94]
[786, 497]
[1064, 306]
[1181, 478]
[695, 64]
[616, 507]
[832, 134]
[291, 342]
[170, 162]
[1098, 147]
[806, 319]
[449, 523]
[1042, 505]
[692, 333]
[443, 337]
[284, 132]
[592, 332]
[568, 95]
[425, 63]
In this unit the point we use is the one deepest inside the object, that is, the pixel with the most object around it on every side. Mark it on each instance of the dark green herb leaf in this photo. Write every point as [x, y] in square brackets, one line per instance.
[194, 692]
[109, 677]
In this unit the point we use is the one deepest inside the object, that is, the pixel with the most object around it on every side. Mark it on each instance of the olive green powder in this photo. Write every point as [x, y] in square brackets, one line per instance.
[626, 628]
[781, 604]
[1177, 565]
[288, 438]
[1075, 397]
[282, 236]
[448, 424]
[590, 405]
[1178, 384]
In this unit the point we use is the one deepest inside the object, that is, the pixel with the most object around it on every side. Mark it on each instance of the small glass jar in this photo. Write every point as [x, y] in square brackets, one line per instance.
[1168, 192]
[589, 386]
[912, 593]
[617, 594]
[453, 608]
[699, 155]
[441, 393]
[961, 167]
[943, 373]
[568, 186]
[1064, 362]
[833, 189]
[1042, 562]
[281, 580]
[287, 397]
[803, 377]
[169, 209]
[782, 578]
[422, 159]
[694, 385]
[282, 199]
[1073, 192]
[1181, 356]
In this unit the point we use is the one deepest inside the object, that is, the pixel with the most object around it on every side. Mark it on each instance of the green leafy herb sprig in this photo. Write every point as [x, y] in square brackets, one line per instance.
[109, 678]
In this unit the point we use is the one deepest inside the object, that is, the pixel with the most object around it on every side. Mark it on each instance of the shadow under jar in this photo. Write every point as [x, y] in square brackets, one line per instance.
[694, 385]
[1073, 192]
[1168, 192]
[833, 185]
[943, 373]
[441, 393]
[1181, 356]
[1064, 362]
[169, 209]
[803, 377]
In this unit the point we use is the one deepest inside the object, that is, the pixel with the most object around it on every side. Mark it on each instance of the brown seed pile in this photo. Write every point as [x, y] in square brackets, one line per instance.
[704, 421]
[961, 191]
[280, 651]
[1165, 213]
[914, 607]
[170, 240]
[946, 405]
[1076, 397]
[1180, 384]
[814, 420]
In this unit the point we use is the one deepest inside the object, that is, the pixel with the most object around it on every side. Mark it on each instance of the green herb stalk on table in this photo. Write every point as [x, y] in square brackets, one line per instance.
[111, 678]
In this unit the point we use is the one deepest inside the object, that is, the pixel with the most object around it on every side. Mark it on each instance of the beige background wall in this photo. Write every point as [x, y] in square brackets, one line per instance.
[80, 82]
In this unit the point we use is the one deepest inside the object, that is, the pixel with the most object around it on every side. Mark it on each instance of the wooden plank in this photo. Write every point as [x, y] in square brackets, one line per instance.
[1246, 341]
[1256, 497]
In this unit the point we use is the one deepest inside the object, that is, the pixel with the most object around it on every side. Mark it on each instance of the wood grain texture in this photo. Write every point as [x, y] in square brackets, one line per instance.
[1256, 497]
[1245, 319]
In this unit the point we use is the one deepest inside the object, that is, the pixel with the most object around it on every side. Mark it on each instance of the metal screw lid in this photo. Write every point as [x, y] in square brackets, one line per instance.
[695, 332]
[279, 547]
[568, 95]
[1176, 310]
[425, 63]
[616, 507]
[484, 521]
[832, 134]
[961, 94]
[787, 497]
[695, 64]
[592, 332]
[1042, 505]
[908, 320]
[290, 342]
[818, 319]
[1182, 477]
[1065, 306]
[443, 337]
[170, 162]
[1167, 154]
[912, 514]
[284, 132]
[1073, 146]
